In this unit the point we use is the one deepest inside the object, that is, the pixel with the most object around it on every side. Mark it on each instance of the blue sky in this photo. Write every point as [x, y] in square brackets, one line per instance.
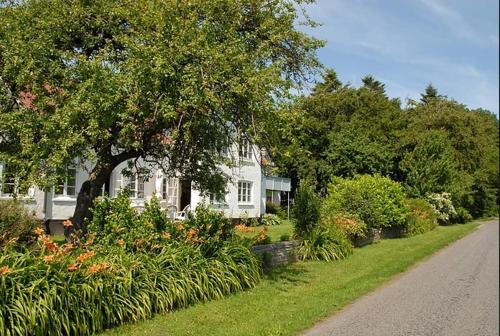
[453, 44]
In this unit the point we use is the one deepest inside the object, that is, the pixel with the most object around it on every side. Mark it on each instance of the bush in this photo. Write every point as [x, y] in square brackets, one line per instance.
[270, 219]
[443, 206]
[277, 210]
[422, 217]
[326, 244]
[16, 223]
[351, 225]
[207, 228]
[377, 201]
[462, 216]
[114, 220]
[272, 208]
[306, 210]
[285, 237]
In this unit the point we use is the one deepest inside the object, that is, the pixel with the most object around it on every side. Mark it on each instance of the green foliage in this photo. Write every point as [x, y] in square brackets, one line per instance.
[16, 223]
[114, 219]
[443, 205]
[430, 167]
[270, 219]
[462, 216]
[79, 80]
[285, 237]
[306, 210]
[272, 208]
[376, 201]
[326, 244]
[208, 228]
[422, 217]
[154, 215]
[473, 136]
[108, 289]
[351, 225]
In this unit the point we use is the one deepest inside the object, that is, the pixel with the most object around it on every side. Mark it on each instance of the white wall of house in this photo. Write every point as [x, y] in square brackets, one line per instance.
[246, 192]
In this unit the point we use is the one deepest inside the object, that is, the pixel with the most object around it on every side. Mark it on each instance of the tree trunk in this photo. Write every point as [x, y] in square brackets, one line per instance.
[90, 190]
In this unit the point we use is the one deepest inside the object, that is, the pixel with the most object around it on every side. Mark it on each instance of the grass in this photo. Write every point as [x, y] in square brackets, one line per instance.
[274, 231]
[294, 298]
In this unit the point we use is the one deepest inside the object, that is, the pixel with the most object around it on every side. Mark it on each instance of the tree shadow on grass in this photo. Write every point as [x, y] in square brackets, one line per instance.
[289, 274]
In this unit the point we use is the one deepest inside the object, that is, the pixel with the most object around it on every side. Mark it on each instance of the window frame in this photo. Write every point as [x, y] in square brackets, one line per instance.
[169, 185]
[247, 187]
[64, 187]
[135, 186]
[14, 183]
[245, 152]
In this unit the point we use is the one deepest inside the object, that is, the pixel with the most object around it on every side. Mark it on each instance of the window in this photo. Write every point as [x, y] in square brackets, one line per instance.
[170, 189]
[67, 185]
[134, 184]
[244, 192]
[9, 181]
[244, 149]
[217, 200]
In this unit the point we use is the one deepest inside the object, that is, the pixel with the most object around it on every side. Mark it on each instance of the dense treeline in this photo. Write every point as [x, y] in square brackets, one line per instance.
[435, 145]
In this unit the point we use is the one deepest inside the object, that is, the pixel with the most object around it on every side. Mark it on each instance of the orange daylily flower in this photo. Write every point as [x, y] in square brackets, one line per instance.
[120, 242]
[72, 267]
[48, 259]
[166, 235]
[38, 231]
[67, 247]
[83, 256]
[98, 267]
[67, 223]
[4, 270]
[51, 246]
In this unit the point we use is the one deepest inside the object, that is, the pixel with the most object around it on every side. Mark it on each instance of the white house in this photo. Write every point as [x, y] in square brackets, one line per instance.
[246, 194]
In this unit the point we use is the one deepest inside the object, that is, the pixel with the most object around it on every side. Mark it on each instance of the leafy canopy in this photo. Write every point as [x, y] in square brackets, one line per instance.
[168, 80]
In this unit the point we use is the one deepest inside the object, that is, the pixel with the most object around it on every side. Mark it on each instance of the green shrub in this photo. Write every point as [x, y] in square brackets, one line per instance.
[272, 208]
[326, 244]
[306, 210]
[351, 225]
[377, 201]
[462, 216]
[285, 237]
[443, 206]
[270, 219]
[16, 223]
[422, 217]
[207, 228]
[113, 220]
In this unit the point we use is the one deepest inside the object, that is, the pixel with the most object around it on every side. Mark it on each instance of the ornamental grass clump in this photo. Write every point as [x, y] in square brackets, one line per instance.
[124, 273]
[324, 243]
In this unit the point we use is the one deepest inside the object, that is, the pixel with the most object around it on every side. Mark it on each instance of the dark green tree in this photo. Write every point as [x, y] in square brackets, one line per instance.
[370, 83]
[330, 83]
[430, 93]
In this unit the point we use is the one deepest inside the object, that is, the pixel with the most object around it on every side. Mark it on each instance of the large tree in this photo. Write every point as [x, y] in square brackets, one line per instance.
[338, 130]
[167, 81]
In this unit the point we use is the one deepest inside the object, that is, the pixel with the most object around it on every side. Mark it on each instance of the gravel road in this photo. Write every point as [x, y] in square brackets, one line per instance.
[454, 293]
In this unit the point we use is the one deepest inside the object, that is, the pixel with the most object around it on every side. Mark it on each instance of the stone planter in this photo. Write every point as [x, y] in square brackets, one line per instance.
[276, 254]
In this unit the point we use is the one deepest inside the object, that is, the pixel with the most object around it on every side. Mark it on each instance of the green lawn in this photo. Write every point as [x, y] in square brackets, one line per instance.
[294, 298]
[275, 231]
